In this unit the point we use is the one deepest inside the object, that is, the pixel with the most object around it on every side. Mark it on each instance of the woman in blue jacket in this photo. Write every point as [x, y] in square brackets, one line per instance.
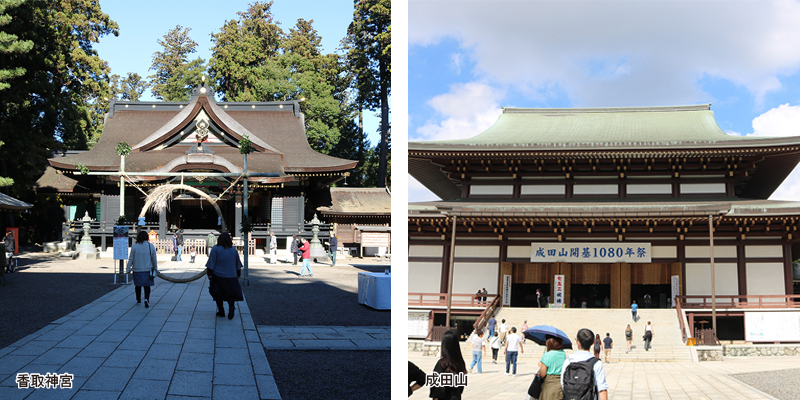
[224, 269]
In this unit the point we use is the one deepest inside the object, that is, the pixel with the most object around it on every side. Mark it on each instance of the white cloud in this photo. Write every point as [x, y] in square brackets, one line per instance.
[417, 192]
[781, 121]
[654, 52]
[467, 110]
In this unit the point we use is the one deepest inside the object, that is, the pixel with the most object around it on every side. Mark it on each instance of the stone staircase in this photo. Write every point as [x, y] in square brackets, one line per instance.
[666, 345]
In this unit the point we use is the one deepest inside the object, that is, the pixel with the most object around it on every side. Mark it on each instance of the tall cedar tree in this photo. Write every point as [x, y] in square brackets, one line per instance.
[130, 88]
[254, 60]
[58, 102]
[175, 76]
[369, 58]
[10, 43]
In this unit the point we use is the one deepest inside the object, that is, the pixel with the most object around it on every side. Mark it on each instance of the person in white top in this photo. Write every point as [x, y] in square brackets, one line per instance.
[584, 341]
[648, 336]
[503, 328]
[513, 346]
[478, 350]
[495, 342]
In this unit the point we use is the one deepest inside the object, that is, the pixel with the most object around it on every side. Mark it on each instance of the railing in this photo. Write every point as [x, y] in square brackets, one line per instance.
[682, 322]
[438, 331]
[440, 300]
[728, 301]
[706, 337]
[483, 319]
[260, 231]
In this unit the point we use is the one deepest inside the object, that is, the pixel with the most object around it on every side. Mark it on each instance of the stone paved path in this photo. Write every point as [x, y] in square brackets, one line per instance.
[627, 380]
[116, 348]
[325, 337]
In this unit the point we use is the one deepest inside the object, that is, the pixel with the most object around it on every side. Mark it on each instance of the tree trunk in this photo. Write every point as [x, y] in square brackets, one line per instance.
[384, 145]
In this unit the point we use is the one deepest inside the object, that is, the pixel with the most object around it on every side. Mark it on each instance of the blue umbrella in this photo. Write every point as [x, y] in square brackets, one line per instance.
[540, 333]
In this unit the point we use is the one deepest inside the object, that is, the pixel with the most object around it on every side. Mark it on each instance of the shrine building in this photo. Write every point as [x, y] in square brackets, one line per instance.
[615, 204]
[188, 142]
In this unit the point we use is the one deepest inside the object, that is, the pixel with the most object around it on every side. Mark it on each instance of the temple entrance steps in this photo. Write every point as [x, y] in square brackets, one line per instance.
[666, 345]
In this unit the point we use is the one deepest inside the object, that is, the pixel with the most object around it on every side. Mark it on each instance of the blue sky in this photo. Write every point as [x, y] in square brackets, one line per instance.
[143, 22]
[467, 62]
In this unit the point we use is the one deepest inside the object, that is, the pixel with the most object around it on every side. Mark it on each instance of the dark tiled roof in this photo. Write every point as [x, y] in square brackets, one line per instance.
[278, 129]
[359, 201]
[53, 181]
[9, 203]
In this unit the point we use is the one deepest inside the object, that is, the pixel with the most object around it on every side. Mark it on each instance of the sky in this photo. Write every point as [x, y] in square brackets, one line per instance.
[468, 61]
[143, 22]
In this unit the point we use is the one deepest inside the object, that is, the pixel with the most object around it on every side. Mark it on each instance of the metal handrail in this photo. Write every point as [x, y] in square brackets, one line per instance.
[680, 318]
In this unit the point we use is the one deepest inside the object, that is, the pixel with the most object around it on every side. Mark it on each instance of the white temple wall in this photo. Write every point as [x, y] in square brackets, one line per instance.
[765, 279]
[705, 251]
[648, 188]
[478, 251]
[664, 251]
[543, 190]
[698, 279]
[594, 189]
[424, 277]
[763, 251]
[425, 251]
[470, 277]
[492, 190]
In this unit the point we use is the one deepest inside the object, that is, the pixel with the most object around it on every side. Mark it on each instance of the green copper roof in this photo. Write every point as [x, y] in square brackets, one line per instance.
[546, 127]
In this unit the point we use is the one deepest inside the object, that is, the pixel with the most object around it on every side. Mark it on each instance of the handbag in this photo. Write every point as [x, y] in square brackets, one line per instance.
[153, 272]
[536, 387]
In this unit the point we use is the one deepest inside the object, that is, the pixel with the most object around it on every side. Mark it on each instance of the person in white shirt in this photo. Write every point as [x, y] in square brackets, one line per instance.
[513, 347]
[478, 351]
[584, 342]
[503, 328]
[495, 343]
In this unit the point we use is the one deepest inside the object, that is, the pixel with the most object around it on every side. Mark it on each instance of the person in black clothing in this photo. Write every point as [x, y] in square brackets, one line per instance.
[294, 248]
[415, 376]
[451, 362]
[9, 242]
[332, 251]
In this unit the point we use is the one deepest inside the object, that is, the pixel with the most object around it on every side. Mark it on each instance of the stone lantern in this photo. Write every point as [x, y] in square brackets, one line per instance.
[317, 251]
[86, 249]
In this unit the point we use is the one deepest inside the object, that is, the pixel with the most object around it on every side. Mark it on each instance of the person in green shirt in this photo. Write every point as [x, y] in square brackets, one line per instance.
[550, 369]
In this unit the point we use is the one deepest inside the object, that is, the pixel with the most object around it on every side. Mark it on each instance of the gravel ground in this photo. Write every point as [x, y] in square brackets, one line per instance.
[332, 374]
[277, 295]
[45, 288]
[782, 384]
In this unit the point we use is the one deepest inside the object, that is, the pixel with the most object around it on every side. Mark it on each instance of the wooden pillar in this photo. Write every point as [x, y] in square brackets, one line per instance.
[625, 277]
[566, 270]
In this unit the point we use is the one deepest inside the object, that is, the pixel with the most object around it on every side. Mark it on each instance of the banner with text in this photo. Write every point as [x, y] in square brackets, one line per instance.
[591, 252]
[559, 292]
[120, 242]
[507, 290]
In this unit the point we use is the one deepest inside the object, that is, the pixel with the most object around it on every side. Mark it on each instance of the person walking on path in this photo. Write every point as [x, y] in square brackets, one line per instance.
[211, 241]
[332, 250]
[524, 328]
[305, 247]
[451, 362]
[273, 248]
[224, 269]
[628, 338]
[142, 261]
[193, 254]
[538, 298]
[485, 294]
[648, 336]
[478, 351]
[9, 241]
[179, 245]
[634, 308]
[584, 342]
[647, 300]
[294, 248]
[550, 369]
[492, 323]
[513, 347]
[503, 328]
[608, 344]
[495, 344]
[597, 345]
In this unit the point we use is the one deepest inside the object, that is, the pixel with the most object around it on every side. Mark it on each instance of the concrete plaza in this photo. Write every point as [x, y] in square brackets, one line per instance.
[627, 380]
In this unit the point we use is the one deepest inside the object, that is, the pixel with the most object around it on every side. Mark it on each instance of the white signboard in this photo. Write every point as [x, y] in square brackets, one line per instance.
[120, 242]
[591, 252]
[676, 288]
[507, 290]
[559, 291]
[778, 326]
[418, 324]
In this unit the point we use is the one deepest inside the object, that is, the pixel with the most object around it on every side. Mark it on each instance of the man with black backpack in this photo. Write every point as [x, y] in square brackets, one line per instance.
[583, 376]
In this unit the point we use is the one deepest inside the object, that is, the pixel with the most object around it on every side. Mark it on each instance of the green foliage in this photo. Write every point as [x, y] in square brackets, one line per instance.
[58, 102]
[245, 145]
[10, 43]
[123, 149]
[130, 88]
[368, 46]
[246, 226]
[175, 76]
[120, 220]
[82, 168]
